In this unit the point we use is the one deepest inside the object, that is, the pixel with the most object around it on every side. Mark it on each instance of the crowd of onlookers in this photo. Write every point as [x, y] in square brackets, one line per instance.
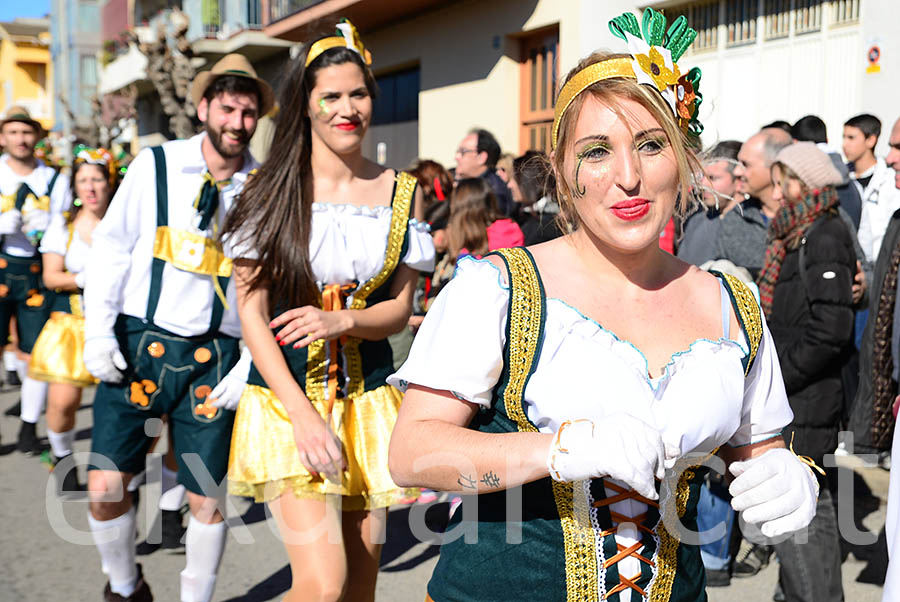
[803, 223]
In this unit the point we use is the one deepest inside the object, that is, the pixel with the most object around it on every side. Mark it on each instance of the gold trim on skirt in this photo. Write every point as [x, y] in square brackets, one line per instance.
[57, 356]
[264, 461]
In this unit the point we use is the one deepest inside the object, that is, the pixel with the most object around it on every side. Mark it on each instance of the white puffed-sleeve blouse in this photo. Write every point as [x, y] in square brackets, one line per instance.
[701, 401]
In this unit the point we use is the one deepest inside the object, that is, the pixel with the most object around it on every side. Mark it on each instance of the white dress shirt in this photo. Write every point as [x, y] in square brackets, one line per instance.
[38, 180]
[880, 200]
[119, 269]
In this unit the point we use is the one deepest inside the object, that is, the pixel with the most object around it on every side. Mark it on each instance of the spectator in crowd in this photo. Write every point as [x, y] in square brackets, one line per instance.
[875, 181]
[756, 157]
[778, 124]
[435, 181]
[476, 226]
[805, 292]
[812, 129]
[505, 167]
[886, 298]
[874, 410]
[700, 241]
[477, 157]
[532, 187]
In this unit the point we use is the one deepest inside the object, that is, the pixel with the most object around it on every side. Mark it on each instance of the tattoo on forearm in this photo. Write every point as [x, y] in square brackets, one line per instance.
[491, 480]
[466, 482]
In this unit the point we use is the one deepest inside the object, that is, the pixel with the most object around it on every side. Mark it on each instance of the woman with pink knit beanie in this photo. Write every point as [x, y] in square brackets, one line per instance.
[806, 293]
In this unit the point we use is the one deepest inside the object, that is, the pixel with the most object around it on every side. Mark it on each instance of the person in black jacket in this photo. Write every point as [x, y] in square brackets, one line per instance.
[806, 293]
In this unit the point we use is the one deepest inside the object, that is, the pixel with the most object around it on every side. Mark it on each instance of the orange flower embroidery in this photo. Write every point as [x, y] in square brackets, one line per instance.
[140, 392]
[205, 409]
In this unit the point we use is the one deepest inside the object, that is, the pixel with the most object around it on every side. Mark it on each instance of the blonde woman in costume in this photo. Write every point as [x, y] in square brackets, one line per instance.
[582, 368]
[57, 354]
[326, 255]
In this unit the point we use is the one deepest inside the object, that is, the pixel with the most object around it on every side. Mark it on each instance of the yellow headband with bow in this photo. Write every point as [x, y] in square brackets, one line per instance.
[346, 36]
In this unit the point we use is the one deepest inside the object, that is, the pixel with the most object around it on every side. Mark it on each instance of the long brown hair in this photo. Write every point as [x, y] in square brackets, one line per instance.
[473, 207]
[273, 214]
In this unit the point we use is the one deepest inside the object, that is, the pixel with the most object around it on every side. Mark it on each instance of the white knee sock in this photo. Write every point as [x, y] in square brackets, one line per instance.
[61, 443]
[203, 548]
[115, 542]
[34, 395]
[172, 493]
[10, 361]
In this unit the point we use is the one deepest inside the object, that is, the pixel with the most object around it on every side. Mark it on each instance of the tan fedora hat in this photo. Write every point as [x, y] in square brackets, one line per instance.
[233, 64]
[21, 114]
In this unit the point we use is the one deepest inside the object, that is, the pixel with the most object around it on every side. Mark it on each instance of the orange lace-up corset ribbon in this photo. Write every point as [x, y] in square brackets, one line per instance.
[334, 297]
[623, 494]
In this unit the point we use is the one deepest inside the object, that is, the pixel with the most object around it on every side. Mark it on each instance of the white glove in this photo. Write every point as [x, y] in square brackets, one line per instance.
[227, 393]
[10, 221]
[621, 447]
[80, 277]
[35, 220]
[104, 360]
[776, 491]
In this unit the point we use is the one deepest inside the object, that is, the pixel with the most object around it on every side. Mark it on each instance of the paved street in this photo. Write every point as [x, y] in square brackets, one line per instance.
[39, 565]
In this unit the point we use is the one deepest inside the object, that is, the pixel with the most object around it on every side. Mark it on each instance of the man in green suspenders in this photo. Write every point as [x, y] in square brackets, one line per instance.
[162, 329]
[29, 192]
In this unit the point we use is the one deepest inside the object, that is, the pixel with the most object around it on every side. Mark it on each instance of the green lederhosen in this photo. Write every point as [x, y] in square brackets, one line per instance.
[167, 374]
[22, 291]
[562, 548]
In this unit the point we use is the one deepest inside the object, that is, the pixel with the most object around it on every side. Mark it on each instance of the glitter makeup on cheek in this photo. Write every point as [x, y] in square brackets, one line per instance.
[323, 108]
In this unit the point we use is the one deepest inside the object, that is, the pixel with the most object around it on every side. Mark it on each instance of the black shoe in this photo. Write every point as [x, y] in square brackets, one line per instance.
[14, 410]
[755, 560]
[12, 378]
[719, 578]
[141, 592]
[172, 530]
[67, 484]
[28, 441]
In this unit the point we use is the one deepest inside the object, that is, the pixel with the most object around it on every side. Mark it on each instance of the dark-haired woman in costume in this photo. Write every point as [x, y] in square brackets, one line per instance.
[57, 354]
[326, 255]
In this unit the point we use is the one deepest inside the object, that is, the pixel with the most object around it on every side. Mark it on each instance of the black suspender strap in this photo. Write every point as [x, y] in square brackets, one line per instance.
[162, 219]
[218, 309]
[22, 194]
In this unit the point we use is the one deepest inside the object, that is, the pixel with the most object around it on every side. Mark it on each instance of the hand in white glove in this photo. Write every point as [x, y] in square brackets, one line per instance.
[80, 277]
[776, 491]
[104, 360]
[10, 221]
[622, 447]
[227, 393]
[35, 220]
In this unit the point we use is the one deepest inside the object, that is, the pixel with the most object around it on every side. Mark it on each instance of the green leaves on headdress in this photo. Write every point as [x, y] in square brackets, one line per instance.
[684, 95]
[652, 30]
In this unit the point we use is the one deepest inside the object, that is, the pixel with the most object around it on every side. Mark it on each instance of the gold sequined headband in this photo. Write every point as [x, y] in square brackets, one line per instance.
[654, 52]
[585, 78]
[346, 36]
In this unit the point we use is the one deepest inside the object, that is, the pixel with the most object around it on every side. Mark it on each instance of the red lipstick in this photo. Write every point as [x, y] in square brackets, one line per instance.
[631, 209]
[348, 126]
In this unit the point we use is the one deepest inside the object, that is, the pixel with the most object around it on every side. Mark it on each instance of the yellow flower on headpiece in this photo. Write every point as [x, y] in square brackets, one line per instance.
[654, 65]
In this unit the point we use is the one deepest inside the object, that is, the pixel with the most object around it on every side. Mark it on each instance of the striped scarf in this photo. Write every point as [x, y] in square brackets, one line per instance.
[786, 233]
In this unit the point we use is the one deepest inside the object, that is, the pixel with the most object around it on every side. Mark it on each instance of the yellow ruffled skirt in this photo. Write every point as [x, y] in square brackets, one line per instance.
[264, 460]
[58, 353]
